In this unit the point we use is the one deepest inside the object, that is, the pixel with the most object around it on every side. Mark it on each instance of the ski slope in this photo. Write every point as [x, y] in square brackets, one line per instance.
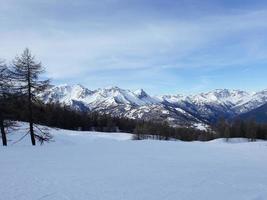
[111, 166]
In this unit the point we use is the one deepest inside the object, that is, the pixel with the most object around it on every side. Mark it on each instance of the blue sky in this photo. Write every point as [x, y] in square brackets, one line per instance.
[162, 46]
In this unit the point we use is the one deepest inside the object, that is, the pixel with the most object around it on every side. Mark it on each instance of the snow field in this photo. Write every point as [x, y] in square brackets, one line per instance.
[99, 166]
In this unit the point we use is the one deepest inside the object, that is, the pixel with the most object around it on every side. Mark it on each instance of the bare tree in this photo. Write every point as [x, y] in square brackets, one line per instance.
[3, 91]
[6, 108]
[25, 74]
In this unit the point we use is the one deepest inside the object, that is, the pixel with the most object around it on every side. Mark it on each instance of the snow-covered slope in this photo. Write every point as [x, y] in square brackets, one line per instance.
[96, 166]
[212, 105]
[176, 109]
[256, 100]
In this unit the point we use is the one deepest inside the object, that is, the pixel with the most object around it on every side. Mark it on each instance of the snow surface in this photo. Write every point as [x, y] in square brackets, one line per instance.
[96, 166]
[200, 126]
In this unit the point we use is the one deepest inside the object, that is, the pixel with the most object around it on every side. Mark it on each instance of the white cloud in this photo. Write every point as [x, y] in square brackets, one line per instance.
[74, 48]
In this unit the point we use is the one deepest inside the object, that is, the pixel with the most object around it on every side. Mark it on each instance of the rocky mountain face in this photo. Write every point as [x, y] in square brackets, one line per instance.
[177, 110]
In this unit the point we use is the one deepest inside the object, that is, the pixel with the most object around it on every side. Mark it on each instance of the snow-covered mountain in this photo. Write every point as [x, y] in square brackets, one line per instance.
[254, 101]
[105, 97]
[202, 108]
[210, 106]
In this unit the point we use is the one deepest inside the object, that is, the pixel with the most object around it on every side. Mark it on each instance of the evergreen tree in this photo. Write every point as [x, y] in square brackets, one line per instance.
[25, 74]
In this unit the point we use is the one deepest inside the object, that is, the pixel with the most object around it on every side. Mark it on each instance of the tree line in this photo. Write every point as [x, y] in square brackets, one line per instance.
[240, 129]
[236, 128]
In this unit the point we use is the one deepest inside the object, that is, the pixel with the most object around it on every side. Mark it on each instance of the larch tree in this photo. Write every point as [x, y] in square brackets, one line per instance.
[3, 95]
[6, 107]
[25, 75]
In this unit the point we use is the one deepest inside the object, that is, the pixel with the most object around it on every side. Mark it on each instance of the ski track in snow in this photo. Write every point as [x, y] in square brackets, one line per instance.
[100, 166]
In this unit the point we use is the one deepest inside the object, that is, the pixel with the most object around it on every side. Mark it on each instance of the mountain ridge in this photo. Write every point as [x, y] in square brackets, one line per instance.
[177, 110]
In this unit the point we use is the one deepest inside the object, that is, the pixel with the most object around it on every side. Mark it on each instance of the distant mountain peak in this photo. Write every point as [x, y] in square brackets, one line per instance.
[140, 93]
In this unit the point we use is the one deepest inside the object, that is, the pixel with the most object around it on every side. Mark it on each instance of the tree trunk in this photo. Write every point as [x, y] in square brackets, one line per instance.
[32, 134]
[30, 108]
[3, 133]
[31, 120]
